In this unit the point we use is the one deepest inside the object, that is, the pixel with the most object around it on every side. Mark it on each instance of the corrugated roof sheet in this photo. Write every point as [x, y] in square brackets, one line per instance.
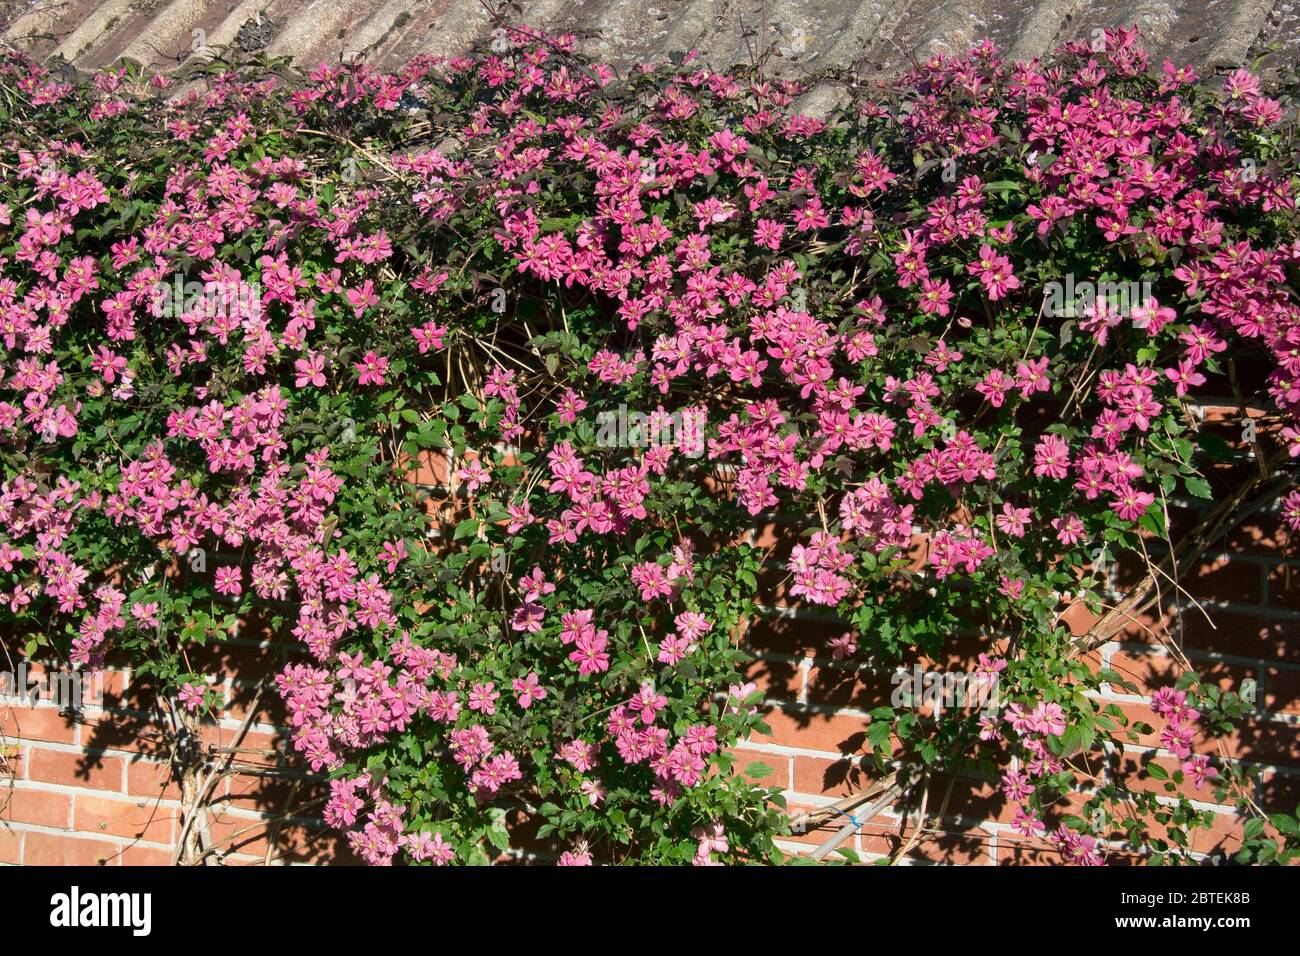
[871, 36]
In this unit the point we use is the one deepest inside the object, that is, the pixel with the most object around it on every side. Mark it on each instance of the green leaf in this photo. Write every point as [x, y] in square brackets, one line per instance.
[879, 733]
[1216, 447]
[1198, 487]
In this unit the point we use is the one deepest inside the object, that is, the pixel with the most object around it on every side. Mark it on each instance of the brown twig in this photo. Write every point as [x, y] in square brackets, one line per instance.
[1222, 518]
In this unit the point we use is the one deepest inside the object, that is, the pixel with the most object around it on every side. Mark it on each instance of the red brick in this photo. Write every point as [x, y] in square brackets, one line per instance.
[1284, 586]
[961, 652]
[832, 778]
[1238, 634]
[795, 638]
[879, 837]
[1139, 628]
[36, 723]
[777, 539]
[774, 588]
[13, 761]
[859, 688]
[970, 799]
[122, 731]
[429, 469]
[319, 847]
[1278, 792]
[115, 681]
[108, 683]
[49, 849]
[258, 747]
[247, 791]
[1256, 741]
[139, 695]
[135, 855]
[1281, 691]
[237, 834]
[1259, 534]
[1261, 741]
[1242, 635]
[148, 778]
[777, 679]
[86, 769]
[1226, 834]
[1078, 618]
[1021, 851]
[137, 819]
[1225, 579]
[780, 764]
[814, 731]
[247, 661]
[1222, 415]
[1151, 672]
[968, 847]
[271, 708]
[47, 808]
[11, 845]
[1147, 672]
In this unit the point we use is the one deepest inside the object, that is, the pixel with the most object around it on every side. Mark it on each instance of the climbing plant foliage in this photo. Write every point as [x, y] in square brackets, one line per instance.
[468, 384]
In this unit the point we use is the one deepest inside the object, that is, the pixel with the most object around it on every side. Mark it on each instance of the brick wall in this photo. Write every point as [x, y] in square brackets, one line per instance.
[98, 790]
[1239, 619]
